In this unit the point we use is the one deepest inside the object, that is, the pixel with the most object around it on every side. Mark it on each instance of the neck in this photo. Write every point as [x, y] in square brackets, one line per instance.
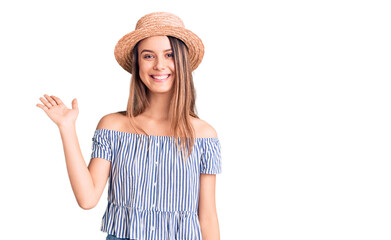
[159, 105]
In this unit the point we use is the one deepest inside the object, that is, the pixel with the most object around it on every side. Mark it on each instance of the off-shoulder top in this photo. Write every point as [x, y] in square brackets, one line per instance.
[153, 194]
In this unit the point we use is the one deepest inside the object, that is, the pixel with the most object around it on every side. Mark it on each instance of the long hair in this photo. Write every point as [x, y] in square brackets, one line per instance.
[182, 103]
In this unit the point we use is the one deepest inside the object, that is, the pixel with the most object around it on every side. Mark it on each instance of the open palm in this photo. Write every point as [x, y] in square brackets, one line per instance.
[57, 111]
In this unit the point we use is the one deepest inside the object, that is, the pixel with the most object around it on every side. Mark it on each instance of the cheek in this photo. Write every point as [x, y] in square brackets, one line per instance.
[143, 69]
[172, 66]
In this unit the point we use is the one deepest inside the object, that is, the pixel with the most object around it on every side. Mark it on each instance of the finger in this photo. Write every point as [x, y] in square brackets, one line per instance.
[46, 103]
[58, 100]
[75, 104]
[42, 107]
[50, 100]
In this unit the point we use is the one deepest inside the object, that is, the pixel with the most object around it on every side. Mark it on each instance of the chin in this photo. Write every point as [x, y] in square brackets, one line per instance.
[160, 90]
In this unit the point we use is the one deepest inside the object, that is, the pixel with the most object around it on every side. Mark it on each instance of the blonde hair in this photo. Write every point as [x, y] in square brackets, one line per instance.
[182, 104]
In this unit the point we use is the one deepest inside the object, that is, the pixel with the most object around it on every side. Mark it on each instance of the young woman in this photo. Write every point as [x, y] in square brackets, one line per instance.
[159, 157]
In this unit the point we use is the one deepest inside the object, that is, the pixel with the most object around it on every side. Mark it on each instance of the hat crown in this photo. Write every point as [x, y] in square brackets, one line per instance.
[159, 19]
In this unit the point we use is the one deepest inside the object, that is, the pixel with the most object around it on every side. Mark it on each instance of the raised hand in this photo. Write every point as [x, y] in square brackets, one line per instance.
[58, 112]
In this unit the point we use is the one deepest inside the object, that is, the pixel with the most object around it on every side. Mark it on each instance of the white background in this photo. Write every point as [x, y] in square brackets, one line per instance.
[298, 92]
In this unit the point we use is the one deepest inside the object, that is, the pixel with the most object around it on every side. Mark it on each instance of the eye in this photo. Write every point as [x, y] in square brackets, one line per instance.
[170, 55]
[146, 56]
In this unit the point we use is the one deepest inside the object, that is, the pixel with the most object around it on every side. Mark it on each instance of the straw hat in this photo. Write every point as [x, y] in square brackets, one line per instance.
[155, 24]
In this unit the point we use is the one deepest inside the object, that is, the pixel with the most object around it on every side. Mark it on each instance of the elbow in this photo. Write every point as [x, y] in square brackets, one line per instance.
[210, 228]
[207, 215]
[86, 205]
[206, 221]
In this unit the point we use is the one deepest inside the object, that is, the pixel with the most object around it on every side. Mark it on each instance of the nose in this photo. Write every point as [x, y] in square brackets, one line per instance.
[160, 63]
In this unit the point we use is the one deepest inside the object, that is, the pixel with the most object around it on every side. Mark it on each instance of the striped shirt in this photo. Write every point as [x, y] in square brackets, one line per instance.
[153, 194]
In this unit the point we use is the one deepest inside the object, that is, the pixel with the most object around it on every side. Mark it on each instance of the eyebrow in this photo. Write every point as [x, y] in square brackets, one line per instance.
[146, 50]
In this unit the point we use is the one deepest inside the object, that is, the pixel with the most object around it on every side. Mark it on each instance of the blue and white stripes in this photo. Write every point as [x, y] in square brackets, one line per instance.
[153, 194]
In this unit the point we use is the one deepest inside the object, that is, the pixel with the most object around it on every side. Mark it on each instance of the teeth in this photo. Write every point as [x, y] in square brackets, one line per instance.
[160, 77]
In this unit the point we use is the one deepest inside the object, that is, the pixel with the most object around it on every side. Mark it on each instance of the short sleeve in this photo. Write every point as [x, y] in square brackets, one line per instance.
[211, 157]
[101, 145]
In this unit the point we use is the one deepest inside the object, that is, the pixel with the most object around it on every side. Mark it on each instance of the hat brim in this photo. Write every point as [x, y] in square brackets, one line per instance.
[123, 49]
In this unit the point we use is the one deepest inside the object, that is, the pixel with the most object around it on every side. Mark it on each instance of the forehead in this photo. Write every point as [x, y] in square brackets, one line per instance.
[155, 43]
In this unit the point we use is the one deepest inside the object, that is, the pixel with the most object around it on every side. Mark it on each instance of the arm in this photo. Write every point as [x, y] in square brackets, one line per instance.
[87, 183]
[207, 213]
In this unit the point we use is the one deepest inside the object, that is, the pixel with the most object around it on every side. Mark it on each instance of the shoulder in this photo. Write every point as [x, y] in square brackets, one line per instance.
[203, 129]
[117, 121]
[111, 121]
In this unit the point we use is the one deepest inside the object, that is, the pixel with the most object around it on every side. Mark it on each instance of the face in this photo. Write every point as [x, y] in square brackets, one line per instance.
[156, 64]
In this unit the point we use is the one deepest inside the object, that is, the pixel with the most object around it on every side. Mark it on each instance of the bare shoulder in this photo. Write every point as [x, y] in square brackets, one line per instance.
[203, 129]
[111, 121]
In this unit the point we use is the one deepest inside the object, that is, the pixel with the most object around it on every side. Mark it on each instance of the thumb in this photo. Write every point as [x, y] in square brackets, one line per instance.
[74, 104]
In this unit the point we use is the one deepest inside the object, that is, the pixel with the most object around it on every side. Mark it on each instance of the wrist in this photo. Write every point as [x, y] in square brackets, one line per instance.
[66, 126]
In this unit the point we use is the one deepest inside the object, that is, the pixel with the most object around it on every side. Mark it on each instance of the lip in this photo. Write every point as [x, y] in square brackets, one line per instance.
[160, 80]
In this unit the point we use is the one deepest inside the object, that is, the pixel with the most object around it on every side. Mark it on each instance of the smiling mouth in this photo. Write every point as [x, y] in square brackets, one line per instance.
[160, 77]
